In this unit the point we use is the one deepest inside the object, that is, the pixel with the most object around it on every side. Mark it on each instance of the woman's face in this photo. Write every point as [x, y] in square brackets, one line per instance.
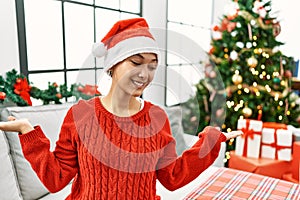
[135, 73]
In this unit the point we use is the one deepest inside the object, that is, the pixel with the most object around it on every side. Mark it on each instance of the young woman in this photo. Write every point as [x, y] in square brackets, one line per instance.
[116, 146]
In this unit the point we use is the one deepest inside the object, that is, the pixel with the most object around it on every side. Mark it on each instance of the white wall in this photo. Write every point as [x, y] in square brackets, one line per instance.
[154, 11]
[9, 55]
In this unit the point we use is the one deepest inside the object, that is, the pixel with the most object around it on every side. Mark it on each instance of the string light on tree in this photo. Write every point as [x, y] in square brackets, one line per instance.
[252, 62]
[237, 78]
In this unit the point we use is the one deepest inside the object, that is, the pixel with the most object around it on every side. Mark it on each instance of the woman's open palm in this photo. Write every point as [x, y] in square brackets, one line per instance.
[16, 125]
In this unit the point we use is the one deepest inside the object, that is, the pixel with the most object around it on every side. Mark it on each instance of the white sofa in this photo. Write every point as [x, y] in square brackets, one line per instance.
[19, 181]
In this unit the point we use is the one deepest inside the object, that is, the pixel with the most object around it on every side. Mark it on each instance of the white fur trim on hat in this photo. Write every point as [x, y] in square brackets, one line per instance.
[99, 49]
[130, 47]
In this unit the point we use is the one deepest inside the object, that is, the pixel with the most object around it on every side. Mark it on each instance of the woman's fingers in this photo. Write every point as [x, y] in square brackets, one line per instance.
[16, 125]
[11, 118]
[233, 134]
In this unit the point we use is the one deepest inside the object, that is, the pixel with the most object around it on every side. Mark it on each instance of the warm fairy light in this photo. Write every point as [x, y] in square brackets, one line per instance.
[254, 44]
[228, 130]
[280, 117]
[268, 88]
[226, 56]
[242, 102]
[275, 74]
[254, 84]
[237, 72]
[256, 51]
[226, 50]
[228, 104]
[257, 94]
[254, 37]
[276, 97]
[264, 73]
[268, 77]
[246, 90]
[239, 86]
[280, 103]
[223, 126]
[260, 50]
[288, 112]
[261, 76]
[239, 92]
[262, 66]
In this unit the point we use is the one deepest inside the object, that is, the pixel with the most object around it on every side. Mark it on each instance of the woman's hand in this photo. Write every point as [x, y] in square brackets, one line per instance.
[22, 126]
[233, 134]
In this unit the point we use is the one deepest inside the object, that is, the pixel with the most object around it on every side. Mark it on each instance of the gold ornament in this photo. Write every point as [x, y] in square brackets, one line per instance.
[237, 79]
[247, 112]
[252, 62]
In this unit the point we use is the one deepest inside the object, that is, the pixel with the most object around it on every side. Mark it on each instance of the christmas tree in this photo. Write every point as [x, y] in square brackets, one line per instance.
[256, 75]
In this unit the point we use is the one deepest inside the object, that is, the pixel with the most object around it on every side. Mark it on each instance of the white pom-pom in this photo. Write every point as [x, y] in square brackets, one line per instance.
[99, 49]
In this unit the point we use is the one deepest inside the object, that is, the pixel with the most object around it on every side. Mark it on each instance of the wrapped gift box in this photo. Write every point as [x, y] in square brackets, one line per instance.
[249, 143]
[289, 177]
[296, 132]
[296, 161]
[276, 141]
[263, 166]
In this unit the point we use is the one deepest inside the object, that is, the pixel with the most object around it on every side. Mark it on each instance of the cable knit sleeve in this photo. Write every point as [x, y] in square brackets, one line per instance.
[55, 169]
[192, 162]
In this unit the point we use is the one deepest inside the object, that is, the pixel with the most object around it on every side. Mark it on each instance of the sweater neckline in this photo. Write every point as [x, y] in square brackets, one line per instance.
[137, 115]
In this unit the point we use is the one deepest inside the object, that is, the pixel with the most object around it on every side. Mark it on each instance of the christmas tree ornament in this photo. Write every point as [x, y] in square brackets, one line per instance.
[233, 55]
[276, 29]
[276, 80]
[252, 62]
[231, 10]
[249, 45]
[288, 74]
[259, 9]
[247, 112]
[237, 79]
[2, 95]
[240, 45]
[249, 31]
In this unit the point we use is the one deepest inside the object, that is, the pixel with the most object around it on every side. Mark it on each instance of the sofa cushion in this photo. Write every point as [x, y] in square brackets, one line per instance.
[50, 118]
[175, 117]
[9, 188]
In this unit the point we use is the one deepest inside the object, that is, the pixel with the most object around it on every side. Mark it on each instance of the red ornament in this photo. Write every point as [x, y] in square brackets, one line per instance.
[276, 29]
[227, 25]
[55, 84]
[22, 88]
[212, 50]
[216, 28]
[288, 74]
[2, 95]
[58, 95]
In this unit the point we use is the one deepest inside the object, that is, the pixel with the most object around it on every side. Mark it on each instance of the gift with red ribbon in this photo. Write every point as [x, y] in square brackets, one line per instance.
[248, 144]
[277, 141]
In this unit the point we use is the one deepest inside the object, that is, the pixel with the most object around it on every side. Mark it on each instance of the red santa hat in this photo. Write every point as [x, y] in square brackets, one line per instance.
[126, 38]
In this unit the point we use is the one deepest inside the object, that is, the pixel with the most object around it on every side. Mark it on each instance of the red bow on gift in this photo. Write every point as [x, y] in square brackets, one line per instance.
[248, 133]
[90, 90]
[22, 88]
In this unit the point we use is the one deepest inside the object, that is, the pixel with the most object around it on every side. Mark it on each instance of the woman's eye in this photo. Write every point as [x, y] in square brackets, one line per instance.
[135, 63]
[152, 67]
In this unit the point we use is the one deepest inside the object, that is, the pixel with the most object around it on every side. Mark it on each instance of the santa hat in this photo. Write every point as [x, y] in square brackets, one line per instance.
[126, 38]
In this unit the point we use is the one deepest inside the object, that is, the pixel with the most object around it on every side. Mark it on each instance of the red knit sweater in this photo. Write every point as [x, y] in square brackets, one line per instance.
[113, 157]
